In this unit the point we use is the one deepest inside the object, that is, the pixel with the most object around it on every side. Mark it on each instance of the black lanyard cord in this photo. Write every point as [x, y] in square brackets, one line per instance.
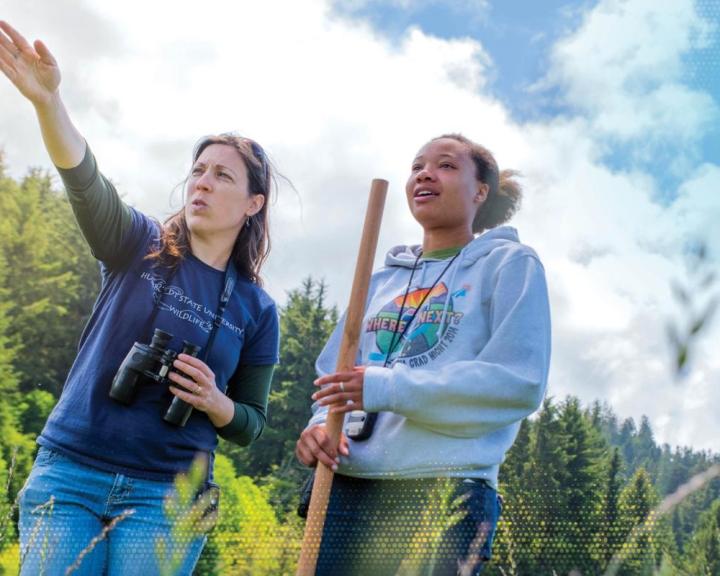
[393, 342]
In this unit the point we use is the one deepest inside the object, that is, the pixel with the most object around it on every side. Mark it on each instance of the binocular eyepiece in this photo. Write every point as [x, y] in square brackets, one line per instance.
[153, 362]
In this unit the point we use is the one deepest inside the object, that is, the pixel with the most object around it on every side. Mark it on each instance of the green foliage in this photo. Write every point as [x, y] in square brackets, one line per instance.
[33, 410]
[583, 450]
[247, 538]
[697, 299]
[570, 506]
[703, 551]
[8, 347]
[305, 325]
[609, 535]
[50, 281]
[14, 445]
[10, 560]
[189, 517]
[686, 517]
[638, 524]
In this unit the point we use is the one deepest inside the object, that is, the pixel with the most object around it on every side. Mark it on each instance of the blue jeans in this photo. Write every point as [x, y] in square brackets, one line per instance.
[66, 515]
[429, 527]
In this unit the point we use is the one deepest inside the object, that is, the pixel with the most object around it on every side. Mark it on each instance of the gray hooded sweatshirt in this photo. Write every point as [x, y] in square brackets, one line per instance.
[472, 364]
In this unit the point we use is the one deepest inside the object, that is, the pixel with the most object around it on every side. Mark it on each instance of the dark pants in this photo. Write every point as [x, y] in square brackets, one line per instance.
[432, 527]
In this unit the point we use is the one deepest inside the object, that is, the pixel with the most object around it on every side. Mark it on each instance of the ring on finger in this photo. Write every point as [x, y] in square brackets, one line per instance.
[342, 386]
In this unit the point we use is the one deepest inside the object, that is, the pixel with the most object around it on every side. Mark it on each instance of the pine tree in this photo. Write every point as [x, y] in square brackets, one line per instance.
[516, 516]
[8, 377]
[626, 441]
[50, 281]
[703, 550]
[540, 544]
[638, 525]
[582, 448]
[608, 537]
[512, 471]
[8, 345]
[645, 450]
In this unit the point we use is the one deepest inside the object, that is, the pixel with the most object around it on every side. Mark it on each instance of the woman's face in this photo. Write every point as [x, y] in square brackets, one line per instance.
[442, 190]
[218, 200]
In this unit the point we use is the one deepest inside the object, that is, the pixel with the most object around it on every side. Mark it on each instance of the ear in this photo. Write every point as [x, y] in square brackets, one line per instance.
[256, 204]
[482, 192]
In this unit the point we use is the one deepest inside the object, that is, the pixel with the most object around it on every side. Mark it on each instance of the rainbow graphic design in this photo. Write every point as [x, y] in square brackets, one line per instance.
[429, 323]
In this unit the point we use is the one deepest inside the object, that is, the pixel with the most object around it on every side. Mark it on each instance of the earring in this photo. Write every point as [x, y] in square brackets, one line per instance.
[247, 222]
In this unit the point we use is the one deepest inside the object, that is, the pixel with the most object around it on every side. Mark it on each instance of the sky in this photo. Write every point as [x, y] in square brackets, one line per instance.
[609, 108]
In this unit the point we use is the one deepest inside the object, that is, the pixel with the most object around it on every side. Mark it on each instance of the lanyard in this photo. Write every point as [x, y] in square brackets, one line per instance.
[393, 342]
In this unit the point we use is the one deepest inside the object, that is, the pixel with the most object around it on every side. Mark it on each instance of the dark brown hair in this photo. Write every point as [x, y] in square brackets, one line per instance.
[252, 245]
[504, 191]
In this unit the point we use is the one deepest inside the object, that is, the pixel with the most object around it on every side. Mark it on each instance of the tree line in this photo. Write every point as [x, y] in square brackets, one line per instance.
[579, 486]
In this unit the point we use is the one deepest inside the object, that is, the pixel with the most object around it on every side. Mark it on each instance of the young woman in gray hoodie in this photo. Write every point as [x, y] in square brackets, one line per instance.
[454, 353]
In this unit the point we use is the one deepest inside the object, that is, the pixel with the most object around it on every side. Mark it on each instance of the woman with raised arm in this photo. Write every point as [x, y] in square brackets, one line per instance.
[179, 349]
[454, 353]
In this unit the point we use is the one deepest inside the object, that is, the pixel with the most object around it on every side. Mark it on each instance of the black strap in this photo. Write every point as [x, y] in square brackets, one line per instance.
[393, 342]
[230, 279]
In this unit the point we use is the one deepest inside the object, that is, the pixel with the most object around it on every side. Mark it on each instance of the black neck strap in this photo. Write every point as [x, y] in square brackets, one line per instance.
[230, 279]
[394, 342]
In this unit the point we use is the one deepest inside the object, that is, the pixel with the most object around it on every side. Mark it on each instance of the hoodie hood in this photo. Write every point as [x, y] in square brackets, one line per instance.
[405, 256]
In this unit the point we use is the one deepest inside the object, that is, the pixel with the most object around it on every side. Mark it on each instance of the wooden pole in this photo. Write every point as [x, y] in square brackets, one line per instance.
[345, 362]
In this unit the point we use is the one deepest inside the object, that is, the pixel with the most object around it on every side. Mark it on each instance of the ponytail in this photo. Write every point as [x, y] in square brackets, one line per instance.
[504, 191]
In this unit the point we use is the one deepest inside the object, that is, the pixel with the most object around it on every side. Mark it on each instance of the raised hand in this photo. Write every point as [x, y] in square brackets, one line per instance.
[31, 68]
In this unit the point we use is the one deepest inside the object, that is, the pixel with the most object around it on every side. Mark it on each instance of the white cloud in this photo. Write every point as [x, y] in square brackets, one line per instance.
[478, 8]
[624, 67]
[336, 105]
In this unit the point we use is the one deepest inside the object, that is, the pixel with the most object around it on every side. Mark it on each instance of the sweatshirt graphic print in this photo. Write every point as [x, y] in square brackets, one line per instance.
[428, 330]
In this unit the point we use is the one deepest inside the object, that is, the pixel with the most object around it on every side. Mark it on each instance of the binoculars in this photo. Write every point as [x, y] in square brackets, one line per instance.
[153, 362]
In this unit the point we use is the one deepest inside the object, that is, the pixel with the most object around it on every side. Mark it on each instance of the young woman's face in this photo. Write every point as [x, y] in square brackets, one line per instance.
[218, 200]
[442, 190]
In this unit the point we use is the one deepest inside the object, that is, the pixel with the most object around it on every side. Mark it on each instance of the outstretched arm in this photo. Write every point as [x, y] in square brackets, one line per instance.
[103, 218]
[35, 73]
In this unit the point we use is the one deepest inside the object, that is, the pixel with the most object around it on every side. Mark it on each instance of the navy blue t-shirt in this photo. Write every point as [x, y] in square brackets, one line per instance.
[135, 440]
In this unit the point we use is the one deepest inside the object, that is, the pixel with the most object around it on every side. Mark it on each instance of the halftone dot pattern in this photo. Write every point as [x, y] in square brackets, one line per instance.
[428, 526]
[705, 62]
[63, 540]
[73, 516]
[395, 528]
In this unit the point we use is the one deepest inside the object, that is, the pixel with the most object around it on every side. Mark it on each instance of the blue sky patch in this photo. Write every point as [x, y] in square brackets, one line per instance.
[519, 36]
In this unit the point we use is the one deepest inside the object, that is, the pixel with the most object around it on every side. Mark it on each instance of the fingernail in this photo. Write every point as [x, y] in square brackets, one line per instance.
[334, 467]
[337, 459]
[314, 396]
